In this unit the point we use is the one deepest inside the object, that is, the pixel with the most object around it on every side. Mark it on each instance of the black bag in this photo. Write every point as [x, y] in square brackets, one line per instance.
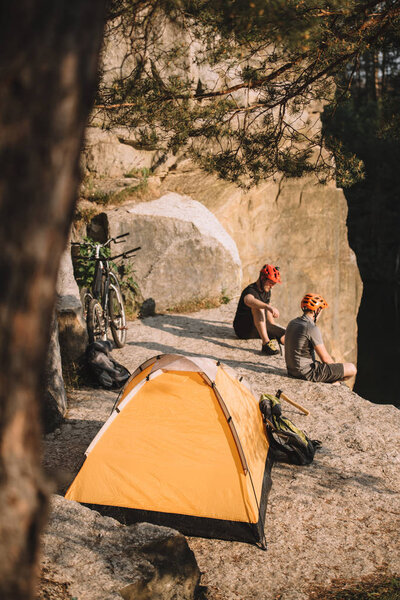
[108, 373]
[288, 443]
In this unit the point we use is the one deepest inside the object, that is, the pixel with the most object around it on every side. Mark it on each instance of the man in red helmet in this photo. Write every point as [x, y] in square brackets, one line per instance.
[255, 315]
[304, 340]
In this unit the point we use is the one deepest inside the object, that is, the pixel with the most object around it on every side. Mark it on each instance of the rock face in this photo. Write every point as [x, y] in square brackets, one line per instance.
[54, 405]
[298, 225]
[186, 255]
[72, 327]
[68, 342]
[106, 156]
[139, 562]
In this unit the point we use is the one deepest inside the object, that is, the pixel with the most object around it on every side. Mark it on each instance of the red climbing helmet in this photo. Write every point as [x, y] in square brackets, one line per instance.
[313, 302]
[271, 273]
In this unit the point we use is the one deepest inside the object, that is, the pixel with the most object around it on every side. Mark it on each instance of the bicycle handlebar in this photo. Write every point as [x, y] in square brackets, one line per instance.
[128, 252]
[125, 254]
[107, 243]
[108, 258]
[119, 237]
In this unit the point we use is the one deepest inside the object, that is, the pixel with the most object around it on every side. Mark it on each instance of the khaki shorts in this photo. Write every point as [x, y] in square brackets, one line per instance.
[327, 373]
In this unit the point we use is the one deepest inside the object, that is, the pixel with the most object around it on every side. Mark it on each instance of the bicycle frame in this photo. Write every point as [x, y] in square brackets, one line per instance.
[101, 282]
[104, 291]
[103, 272]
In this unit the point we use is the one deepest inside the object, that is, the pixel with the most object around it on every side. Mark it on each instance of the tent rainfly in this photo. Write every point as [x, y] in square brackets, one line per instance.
[185, 447]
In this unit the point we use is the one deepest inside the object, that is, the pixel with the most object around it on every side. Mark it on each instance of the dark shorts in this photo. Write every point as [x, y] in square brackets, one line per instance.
[327, 373]
[251, 333]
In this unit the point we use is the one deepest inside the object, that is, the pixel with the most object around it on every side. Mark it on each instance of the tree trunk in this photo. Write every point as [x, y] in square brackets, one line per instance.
[48, 65]
[377, 83]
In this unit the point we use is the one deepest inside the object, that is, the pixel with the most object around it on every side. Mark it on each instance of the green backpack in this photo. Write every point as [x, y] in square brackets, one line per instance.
[287, 442]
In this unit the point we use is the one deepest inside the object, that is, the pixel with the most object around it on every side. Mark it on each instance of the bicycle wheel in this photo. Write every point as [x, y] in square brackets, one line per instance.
[86, 297]
[117, 315]
[95, 321]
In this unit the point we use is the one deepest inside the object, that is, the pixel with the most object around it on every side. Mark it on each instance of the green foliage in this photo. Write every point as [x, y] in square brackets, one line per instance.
[144, 173]
[349, 167]
[363, 123]
[106, 198]
[361, 131]
[84, 214]
[84, 267]
[225, 299]
[100, 197]
[132, 190]
[126, 272]
[129, 286]
[119, 197]
[270, 61]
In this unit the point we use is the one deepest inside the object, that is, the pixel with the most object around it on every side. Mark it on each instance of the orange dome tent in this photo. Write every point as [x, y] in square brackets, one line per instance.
[185, 447]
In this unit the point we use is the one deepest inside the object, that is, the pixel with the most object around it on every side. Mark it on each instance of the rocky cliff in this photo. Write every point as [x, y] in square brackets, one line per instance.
[297, 224]
[300, 226]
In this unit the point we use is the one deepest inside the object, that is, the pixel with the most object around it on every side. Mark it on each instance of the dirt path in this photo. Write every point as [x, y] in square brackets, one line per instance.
[337, 518]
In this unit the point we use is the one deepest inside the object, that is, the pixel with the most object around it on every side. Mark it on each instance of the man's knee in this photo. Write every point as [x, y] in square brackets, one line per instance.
[349, 370]
[258, 315]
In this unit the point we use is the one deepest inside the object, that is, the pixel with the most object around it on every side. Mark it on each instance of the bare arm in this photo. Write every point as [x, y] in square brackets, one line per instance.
[323, 354]
[252, 302]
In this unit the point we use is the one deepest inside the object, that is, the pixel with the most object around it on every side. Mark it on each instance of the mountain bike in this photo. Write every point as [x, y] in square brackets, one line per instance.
[103, 305]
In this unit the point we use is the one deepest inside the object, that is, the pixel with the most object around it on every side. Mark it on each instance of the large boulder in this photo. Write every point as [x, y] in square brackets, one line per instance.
[186, 255]
[97, 558]
[299, 225]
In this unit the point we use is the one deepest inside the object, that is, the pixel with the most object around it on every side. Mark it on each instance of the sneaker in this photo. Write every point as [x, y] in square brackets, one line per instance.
[270, 348]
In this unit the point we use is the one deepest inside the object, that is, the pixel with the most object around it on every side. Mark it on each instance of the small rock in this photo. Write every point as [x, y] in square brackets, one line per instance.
[148, 308]
[104, 560]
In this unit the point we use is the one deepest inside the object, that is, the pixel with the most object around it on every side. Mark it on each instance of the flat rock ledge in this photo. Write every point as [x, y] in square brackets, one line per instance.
[96, 558]
[336, 519]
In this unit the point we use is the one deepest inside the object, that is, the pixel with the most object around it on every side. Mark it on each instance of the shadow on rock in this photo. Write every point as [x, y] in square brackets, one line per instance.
[329, 478]
[235, 364]
[184, 326]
